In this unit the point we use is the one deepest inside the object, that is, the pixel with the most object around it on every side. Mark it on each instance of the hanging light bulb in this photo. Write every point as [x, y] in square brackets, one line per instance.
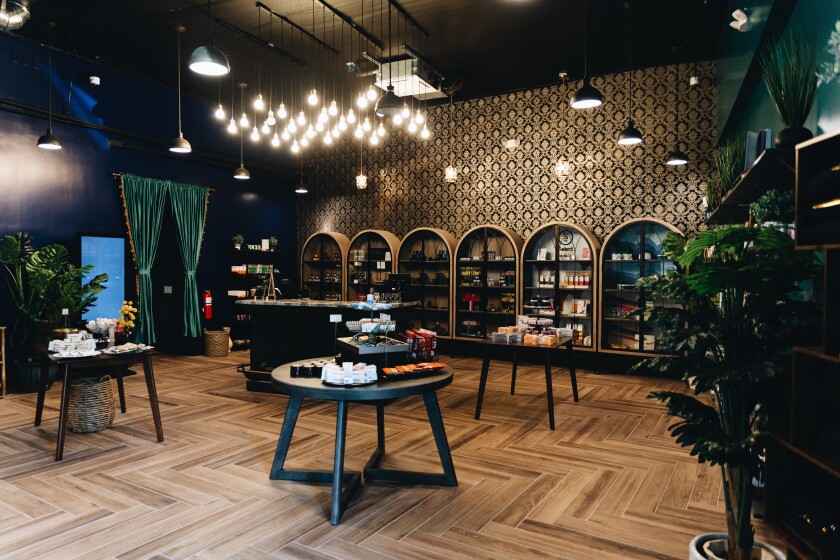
[323, 116]
[361, 101]
[342, 123]
[265, 128]
[301, 119]
[276, 140]
[295, 147]
[327, 139]
[255, 134]
[285, 136]
[220, 112]
[333, 110]
[361, 181]
[310, 132]
[562, 168]
[292, 126]
[259, 105]
[450, 174]
[281, 111]
[380, 130]
[405, 112]
[366, 125]
[313, 97]
[374, 139]
[270, 120]
[335, 132]
[412, 127]
[232, 126]
[351, 116]
[358, 133]
[424, 134]
[419, 118]
[371, 93]
[319, 126]
[304, 142]
[243, 121]
[397, 119]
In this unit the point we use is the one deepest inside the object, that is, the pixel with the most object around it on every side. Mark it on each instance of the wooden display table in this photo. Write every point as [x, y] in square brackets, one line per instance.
[378, 394]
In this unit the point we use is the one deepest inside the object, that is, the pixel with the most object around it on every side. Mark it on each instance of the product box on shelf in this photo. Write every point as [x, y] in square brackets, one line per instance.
[422, 345]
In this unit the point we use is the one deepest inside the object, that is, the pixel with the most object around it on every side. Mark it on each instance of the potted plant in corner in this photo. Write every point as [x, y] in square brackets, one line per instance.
[731, 339]
[774, 209]
[238, 240]
[790, 73]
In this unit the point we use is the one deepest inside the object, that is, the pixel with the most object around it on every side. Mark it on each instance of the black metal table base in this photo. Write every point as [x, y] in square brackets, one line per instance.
[351, 480]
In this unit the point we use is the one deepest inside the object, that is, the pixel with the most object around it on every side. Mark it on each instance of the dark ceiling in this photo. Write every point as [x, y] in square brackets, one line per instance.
[489, 46]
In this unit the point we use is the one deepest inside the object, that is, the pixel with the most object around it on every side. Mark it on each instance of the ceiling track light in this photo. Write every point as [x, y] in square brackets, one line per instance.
[179, 145]
[389, 104]
[587, 96]
[49, 141]
[740, 20]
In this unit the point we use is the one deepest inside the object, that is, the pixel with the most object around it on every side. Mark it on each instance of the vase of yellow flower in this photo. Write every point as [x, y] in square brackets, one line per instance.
[125, 323]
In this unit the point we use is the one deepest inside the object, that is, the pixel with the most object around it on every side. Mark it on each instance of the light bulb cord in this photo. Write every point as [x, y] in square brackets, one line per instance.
[630, 54]
[585, 39]
[180, 132]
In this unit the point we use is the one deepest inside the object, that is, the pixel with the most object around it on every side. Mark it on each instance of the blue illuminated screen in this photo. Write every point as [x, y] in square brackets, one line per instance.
[106, 254]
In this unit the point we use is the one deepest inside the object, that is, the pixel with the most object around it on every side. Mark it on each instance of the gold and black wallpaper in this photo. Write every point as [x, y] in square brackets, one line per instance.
[607, 184]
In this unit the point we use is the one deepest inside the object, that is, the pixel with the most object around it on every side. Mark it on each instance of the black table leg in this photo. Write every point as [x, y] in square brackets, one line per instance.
[513, 370]
[549, 391]
[485, 366]
[42, 391]
[572, 369]
[436, 420]
[153, 400]
[289, 421]
[339, 502]
[120, 386]
[62, 414]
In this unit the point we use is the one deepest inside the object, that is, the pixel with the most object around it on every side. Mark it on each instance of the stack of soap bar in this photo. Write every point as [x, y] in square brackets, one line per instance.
[348, 373]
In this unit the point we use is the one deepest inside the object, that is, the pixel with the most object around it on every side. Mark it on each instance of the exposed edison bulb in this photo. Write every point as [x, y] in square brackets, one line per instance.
[292, 126]
[380, 130]
[232, 126]
[405, 112]
[243, 121]
[361, 101]
[412, 126]
[333, 110]
[335, 132]
[358, 133]
[327, 139]
[323, 116]
[281, 111]
[301, 119]
[351, 116]
[220, 113]
[342, 123]
[285, 136]
[310, 132]
[374, 139]
[371, 93]
[397, 119]
[366, 125]
[258, 103]
[319, 126]
[255, 134]
[276, 140]
[313, 97]
[270, 120]
[265, 128]
[424, 134]
[295, 147]
[419, 118]
[304, 142]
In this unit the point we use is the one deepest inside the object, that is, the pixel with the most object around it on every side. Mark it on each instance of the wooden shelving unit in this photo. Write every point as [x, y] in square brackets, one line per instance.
[322, 269]
[631, 251]
[773, 169]
[559, 278]
[426, 255]
[485, 289]
[372, 255]
[803, 460]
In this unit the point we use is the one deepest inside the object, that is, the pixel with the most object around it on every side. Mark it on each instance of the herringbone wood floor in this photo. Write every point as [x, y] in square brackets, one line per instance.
[608, 483]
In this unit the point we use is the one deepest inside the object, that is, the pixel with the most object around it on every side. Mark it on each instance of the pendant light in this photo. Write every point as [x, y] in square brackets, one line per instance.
[676, 156]
[49, 141]
[301, 188]
[631, 134]
[587, 96]
[389, 104]
[240, 172]
[180, 144]
[207, 60]
[450, 174]
[361, 178]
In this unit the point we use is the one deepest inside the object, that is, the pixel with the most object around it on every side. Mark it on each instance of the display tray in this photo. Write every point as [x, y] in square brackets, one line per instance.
[412, 371]
[393, 346]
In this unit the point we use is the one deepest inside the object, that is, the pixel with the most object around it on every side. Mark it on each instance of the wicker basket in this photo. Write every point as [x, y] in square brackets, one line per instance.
[91, 406]
[216, 343]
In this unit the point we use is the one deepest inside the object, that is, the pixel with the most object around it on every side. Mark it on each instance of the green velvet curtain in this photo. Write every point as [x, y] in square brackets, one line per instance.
[144, 200]
[189, 205]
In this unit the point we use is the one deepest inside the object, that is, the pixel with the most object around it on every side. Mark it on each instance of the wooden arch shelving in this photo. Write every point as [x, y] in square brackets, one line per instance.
[371, 257]
[322, 265]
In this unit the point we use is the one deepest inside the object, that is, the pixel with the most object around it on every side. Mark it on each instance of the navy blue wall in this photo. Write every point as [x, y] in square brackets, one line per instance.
[55, 195]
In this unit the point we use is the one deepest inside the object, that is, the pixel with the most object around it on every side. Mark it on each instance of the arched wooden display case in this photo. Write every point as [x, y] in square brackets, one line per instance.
[559, 279]
[631, 251]
[322, 269]
[426, 255]
[485, 291]
[371, 257]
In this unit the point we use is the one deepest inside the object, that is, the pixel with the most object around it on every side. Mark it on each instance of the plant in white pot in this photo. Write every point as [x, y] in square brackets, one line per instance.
[730, 338]
[238, 240]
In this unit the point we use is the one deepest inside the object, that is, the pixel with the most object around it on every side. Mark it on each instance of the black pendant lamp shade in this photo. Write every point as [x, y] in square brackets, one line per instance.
[207, 60]
[677, 157]
[389, 104]
[180, 145]
[630, 135]
[587, 96]
[49, 141]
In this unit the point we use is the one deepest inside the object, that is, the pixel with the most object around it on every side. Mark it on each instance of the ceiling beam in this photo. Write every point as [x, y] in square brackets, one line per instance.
[355, 26]
[273, 48]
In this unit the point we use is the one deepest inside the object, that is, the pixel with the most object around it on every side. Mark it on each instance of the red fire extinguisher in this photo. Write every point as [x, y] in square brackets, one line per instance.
[208, 305]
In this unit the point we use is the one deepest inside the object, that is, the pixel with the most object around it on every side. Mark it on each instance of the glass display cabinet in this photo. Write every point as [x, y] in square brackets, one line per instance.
[322, 270]
[426, 256]
[370, 258]
[485, 289]
[559, 279]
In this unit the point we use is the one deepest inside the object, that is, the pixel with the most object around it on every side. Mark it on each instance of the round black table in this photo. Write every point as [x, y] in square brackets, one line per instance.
[378, 394]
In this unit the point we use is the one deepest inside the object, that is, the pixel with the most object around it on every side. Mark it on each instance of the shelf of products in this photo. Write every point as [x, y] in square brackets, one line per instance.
[485, 289]
[426, 256]
[773, 169]
[248, 272]
[370, 258]
[322, 270]
[559, 278]
[631, 251]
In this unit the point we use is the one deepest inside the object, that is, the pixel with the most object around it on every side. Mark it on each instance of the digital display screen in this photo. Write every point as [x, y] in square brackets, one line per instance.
[107, 255]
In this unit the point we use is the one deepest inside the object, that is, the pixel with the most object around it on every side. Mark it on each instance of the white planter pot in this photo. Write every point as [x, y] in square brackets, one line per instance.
[696, 552]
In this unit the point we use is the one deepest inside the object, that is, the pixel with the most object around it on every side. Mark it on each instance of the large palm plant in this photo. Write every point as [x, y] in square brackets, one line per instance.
[732, 338]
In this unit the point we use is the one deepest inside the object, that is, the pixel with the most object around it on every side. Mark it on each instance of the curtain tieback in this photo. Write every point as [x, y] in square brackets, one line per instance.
[189, 272]
[145, 271]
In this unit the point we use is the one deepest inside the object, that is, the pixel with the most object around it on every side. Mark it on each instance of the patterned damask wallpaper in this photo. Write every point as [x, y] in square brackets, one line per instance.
[607, 185]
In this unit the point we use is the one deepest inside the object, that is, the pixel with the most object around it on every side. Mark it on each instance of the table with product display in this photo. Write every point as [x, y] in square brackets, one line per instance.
[514, 349]
[378, 394]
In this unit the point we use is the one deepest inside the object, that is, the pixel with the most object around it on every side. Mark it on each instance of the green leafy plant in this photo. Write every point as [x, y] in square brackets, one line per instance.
[774, 206]
[790, 74]
[731, 337]
[238, 239]
[729, 162]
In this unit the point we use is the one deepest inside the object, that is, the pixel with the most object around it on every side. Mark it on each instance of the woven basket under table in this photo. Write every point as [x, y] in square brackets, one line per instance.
[216, 343]
[91, 406]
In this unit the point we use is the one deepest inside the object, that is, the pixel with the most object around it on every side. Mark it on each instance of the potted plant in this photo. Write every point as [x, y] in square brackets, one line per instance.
[775, 209]
[238, 240]
[731, 338]
[790, 74]
[272, 243]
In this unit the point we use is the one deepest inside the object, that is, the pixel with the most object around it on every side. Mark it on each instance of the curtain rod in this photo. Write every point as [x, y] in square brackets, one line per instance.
[119, 174]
